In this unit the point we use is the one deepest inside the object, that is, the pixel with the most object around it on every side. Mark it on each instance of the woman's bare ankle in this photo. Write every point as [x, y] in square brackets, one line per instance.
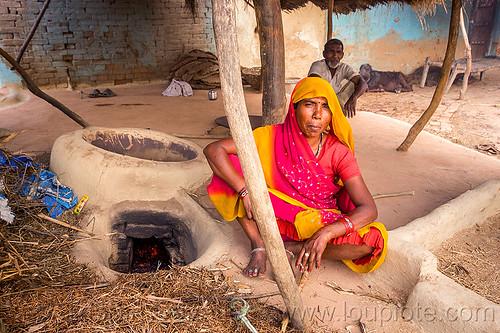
[257, 264]
[293, 246]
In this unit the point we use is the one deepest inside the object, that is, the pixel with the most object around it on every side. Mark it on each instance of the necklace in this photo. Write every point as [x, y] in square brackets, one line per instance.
[320, 143]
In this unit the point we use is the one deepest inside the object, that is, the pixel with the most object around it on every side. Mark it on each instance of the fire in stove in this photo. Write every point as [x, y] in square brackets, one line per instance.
[146, 241]
[149, 255]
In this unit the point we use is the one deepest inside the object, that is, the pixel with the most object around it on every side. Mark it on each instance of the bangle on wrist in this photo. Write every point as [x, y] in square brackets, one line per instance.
[243, 192]
[348, 225]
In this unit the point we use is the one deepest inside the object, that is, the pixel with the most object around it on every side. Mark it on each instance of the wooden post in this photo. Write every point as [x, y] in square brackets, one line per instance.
[468, 53]
[35, 90]
[445, 72]
[425, 72]
[234, 105]
[329, 23]
[451, 79]
[272, 58]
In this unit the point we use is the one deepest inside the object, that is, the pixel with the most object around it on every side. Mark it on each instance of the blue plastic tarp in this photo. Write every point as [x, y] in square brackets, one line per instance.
[45, 187]
[16, 162]
[42, 186]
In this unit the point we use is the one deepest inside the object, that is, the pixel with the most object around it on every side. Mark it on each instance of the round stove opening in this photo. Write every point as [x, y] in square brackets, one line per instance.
[146, 241]
[136, 145]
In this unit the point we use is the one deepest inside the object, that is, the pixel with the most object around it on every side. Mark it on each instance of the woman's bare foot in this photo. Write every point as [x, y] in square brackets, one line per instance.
[292, 248]
[257, 264]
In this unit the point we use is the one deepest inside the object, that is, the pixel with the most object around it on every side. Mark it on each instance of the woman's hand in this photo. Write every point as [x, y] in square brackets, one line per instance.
[313, 249]
[364, 213]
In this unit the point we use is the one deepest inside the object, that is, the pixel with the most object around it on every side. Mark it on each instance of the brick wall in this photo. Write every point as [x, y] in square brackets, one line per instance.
[101, 42]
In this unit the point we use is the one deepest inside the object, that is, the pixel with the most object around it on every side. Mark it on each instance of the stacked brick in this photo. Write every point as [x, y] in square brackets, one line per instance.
[103, 42]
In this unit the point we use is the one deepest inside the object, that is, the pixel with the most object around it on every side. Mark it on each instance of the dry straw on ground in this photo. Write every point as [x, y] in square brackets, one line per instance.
[44, 290]
[471, 258]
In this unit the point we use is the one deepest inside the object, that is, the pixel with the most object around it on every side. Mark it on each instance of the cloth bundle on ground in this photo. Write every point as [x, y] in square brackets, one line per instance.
[178, 88]
[43, 185]
[307, 191]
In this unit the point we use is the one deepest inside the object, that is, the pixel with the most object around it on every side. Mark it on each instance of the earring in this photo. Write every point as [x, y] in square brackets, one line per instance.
[328, 128]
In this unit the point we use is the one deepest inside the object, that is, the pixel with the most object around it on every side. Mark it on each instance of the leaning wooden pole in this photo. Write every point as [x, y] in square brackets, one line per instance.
[224, 20]
[272, 58]
[36, 91]
[449, 58]
[468, 54]
[32, 32]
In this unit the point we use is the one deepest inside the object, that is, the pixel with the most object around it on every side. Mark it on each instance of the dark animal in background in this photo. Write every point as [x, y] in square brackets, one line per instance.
[384, 81]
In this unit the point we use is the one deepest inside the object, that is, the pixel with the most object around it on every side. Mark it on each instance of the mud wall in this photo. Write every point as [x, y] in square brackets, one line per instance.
[389, 37]
[394, 38]
[96, 42]
[99, 42]
[304, 32]
[495, 36]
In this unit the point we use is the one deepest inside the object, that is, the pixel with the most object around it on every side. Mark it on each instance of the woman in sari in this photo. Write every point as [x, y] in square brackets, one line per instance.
[322, 205]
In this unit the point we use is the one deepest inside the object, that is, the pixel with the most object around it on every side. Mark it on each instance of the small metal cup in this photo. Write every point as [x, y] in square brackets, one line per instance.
[212, 95]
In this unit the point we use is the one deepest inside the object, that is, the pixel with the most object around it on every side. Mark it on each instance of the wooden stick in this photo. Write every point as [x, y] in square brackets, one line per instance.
[64, 224]
[397, 194]
[303, 280]
[219, 269]
[240, 267]
[449, 58]
[204, 136]
[86, 286]
[6, 139]
[468, 53]
[42, 232]
[425, 71]
[24, 291]
[161, 299]
[286, 316]
[224, 21]
[342, 291]
[93, 237]
[7, 263]
[228, 298]
[27, 243]
[32, 32]
[14, 249]
[274, 293]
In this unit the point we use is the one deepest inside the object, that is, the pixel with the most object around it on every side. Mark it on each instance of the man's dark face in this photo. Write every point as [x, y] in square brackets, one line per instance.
[333, 54]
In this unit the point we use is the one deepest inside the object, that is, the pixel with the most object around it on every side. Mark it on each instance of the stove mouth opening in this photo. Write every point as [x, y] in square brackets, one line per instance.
[149, 255]
[146, 241]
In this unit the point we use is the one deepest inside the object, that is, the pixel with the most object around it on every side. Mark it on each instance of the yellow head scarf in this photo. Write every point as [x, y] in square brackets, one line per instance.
[311, 87]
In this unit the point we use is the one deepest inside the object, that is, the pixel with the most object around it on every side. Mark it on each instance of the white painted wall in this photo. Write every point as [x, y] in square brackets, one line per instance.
[304, 31]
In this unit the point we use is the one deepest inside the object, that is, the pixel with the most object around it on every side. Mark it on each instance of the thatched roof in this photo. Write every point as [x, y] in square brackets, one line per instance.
[344, 6]
[348, 6]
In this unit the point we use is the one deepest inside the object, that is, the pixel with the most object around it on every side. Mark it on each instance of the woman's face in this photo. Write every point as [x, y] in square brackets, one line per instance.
[313, 116]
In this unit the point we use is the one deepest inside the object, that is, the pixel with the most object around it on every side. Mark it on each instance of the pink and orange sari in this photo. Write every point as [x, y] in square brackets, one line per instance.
[304, 196]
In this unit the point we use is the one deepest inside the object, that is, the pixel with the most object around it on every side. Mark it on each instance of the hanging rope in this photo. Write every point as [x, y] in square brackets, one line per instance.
[242, 312]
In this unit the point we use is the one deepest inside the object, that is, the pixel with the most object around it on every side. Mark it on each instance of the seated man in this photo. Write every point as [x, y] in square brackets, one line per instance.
[334, 71]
